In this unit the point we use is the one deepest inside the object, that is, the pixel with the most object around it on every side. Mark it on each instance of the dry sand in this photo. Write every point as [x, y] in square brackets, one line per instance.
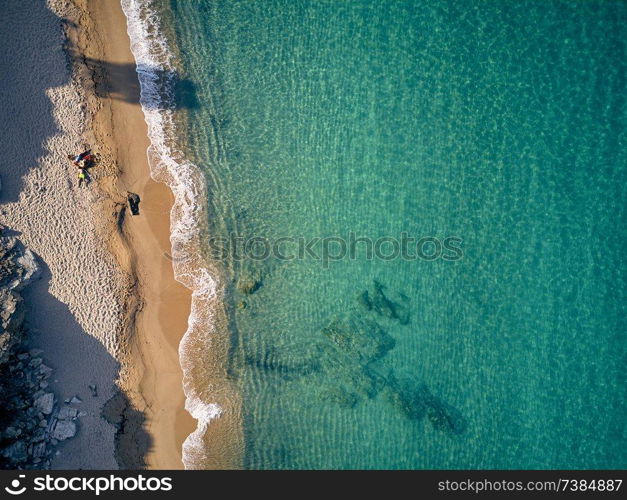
[74, 309]
[108, 307]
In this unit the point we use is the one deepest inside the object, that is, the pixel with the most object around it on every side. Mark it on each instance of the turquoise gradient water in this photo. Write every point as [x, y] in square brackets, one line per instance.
[501, 123]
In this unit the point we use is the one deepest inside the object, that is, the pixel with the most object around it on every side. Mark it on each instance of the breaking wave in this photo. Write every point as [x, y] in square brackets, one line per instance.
[157, 76]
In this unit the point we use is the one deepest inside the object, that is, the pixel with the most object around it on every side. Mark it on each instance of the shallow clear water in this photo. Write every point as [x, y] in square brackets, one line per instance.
[499, 123]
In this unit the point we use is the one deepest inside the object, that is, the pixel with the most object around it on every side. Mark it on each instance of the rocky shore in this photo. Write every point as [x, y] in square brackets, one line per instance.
[32, 420]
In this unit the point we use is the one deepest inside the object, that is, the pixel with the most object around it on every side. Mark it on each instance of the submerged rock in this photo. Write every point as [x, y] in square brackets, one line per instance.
[408, 399]
[248, 286]
[341, 396]
[376, 300]
[445, 417]
[416, 402]
[360, 338]
[273, 361]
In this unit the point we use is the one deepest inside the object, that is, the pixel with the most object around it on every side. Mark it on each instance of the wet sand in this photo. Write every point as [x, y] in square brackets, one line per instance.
[157, 316]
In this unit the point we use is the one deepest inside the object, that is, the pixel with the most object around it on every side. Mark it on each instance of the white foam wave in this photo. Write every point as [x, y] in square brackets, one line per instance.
[157, 75]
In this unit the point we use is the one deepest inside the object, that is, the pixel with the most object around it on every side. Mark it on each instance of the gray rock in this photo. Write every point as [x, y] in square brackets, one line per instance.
[12, 432]
[16, 452]
[45, 403]
[29, 264]
[40, 435]
[39, 450]
[76, 400]
[35, 362]
[64, 429]
[18, 265]
[67, 413]
[45, 371]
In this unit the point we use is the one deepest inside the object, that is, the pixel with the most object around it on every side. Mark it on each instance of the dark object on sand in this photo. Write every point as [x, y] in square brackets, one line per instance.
[133, 202]
[84, 160]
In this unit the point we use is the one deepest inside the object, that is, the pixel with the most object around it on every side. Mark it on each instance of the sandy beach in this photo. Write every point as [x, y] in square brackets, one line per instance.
[107, 310]
[151, 376]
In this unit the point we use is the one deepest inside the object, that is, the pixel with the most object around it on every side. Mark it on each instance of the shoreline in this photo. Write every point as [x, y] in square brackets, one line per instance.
[158, 310]
[113, 323]
[211, 397]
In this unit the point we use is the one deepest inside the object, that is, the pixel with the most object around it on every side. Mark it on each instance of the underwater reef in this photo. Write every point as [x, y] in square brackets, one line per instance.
[349, 351]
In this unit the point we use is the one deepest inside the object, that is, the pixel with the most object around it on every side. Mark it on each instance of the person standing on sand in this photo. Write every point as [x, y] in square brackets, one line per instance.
[82, 176]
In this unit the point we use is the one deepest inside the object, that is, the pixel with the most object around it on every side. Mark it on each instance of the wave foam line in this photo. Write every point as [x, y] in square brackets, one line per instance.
[156, 72]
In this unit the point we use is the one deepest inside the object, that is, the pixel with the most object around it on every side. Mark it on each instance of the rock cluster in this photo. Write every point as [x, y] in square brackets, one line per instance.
[17, 268]
[31, 420]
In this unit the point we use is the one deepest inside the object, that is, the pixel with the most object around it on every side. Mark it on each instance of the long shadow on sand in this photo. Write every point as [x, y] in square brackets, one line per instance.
[30, 66]
[28, 70]
[85, 362]
[120, 81]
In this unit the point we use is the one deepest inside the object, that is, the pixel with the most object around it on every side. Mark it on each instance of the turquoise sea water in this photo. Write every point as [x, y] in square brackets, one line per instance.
[501, 123]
